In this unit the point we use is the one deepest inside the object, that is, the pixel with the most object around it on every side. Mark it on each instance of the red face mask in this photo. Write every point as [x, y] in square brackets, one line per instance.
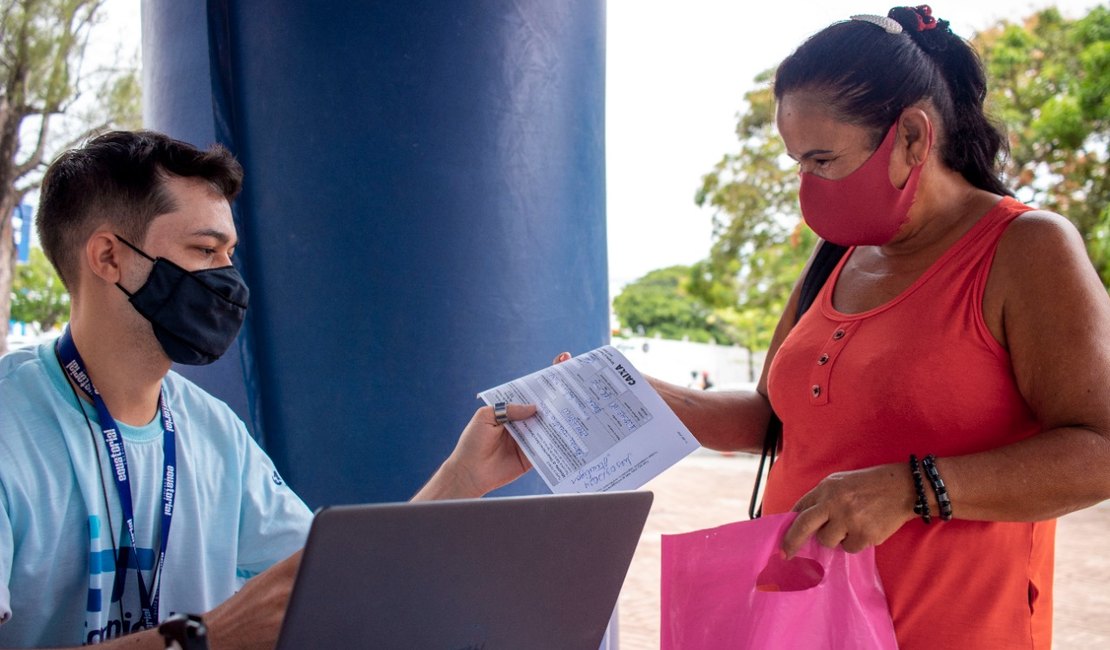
[863, 208]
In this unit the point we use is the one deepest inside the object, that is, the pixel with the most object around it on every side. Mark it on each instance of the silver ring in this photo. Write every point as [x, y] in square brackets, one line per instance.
[501, 412]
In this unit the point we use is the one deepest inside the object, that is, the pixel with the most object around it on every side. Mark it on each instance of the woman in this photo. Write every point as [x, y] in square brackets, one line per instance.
[959, 325]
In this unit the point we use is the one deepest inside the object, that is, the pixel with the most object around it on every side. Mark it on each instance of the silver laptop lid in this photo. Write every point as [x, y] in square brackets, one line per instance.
[520, 572]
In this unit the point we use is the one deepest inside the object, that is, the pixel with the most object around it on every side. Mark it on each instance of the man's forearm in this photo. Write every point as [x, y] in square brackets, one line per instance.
[145, 640]
[446, 483]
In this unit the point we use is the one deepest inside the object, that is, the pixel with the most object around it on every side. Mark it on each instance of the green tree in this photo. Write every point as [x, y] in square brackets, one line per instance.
[1050, 86]
[43, 86]
[660, 304]
[38, 295]
[759, 241]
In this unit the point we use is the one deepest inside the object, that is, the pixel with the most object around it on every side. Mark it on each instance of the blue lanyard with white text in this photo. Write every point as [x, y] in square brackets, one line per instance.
[113, 442]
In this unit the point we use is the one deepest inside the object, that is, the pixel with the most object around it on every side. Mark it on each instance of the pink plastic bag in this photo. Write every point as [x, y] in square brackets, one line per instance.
[730, 587]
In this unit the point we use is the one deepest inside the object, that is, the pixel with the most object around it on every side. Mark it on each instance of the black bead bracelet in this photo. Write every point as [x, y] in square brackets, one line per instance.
[929, 464]
[921, 506]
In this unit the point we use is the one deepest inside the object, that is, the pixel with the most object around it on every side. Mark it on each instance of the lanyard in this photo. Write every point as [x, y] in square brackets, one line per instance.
[74, 367]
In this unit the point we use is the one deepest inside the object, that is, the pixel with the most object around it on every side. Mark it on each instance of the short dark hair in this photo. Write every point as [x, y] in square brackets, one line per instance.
[119, 177]
[868, 76]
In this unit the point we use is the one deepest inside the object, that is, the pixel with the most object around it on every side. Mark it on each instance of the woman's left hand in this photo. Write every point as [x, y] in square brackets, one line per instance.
[853, 509]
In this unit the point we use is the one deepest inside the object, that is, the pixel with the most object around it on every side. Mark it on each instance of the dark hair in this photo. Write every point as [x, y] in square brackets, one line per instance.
[119, 178]
[868, 76]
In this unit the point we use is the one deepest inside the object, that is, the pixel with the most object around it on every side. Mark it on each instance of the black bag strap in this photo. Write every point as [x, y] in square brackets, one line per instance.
[827, 257]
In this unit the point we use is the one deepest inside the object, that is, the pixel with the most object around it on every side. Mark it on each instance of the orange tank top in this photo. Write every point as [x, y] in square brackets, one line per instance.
[921, 374]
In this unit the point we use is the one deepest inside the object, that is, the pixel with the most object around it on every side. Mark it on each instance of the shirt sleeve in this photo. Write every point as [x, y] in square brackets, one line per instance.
[7, 551]
[274, 520]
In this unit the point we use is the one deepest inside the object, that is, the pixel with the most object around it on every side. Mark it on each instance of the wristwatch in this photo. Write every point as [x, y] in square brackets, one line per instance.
[184, 632]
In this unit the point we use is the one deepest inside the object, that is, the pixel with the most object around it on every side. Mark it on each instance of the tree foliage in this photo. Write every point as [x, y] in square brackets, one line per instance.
[48, 101]
[38, 295]
[1049, 88]
[759, 241]
[660, 304]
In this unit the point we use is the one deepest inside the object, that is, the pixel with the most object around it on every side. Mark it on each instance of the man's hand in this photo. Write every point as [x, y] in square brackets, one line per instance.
[485, 458]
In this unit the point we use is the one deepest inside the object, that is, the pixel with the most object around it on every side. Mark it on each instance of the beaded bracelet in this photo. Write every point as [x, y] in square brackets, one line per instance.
[929, 464]
[921, 506]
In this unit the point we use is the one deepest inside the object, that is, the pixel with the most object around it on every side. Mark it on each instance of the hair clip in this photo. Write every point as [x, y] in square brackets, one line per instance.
[925, 18]
[889, 25]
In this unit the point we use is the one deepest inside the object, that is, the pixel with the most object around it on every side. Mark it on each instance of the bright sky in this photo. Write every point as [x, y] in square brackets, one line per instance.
[676, 73]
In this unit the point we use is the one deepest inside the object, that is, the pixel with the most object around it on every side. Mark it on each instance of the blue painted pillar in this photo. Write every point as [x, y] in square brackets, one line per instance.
[423, 213]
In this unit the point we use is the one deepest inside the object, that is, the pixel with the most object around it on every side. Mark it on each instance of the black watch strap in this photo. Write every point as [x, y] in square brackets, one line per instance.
[184, 632]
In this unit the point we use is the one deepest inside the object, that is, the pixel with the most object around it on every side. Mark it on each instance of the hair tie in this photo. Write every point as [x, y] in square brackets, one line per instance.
[889, 25]
[925, 20]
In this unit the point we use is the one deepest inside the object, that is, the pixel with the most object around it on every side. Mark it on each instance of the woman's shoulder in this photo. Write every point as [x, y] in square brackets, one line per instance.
[1040, 269]
[1038, 238]
[1033, 218]
[1042, 265]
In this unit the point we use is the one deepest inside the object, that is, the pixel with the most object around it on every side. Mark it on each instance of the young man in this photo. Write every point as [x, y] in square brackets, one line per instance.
[126, 492]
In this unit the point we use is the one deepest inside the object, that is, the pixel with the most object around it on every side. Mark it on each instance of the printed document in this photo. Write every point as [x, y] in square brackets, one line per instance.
[599, 425]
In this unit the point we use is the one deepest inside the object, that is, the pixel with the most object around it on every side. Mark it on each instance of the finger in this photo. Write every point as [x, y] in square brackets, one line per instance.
[805, 503]
[514, 411]
[805, 526]
[520, 411]
[563, 356]
[854, 543]
[831, 534]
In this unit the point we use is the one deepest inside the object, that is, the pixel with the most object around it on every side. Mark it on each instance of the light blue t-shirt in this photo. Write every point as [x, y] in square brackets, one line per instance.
[60, 521]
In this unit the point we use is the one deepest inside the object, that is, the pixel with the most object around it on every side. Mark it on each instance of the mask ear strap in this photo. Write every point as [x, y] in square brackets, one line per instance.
[140, 252]
[134, 248]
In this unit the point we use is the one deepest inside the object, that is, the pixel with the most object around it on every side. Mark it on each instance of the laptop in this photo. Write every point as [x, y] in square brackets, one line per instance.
[529, 572]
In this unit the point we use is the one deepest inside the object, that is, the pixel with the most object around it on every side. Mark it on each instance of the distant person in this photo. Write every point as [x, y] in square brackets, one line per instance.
[943, 400]
[102, 447]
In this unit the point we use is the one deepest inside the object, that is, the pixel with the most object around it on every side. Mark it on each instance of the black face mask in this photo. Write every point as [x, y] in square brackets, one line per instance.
[196, 315]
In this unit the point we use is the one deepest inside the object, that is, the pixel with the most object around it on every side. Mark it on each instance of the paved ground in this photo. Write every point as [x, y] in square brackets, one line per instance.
[707, 489]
